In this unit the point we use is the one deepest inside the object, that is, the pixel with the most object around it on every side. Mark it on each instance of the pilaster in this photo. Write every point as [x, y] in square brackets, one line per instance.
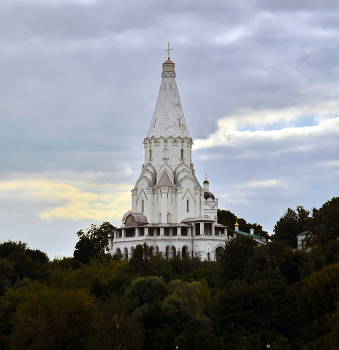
[197, 201]
[150, 205]
[164, 204]
[134, 199]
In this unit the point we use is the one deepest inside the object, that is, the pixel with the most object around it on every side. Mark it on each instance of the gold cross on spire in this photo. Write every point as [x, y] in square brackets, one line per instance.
[168, 51]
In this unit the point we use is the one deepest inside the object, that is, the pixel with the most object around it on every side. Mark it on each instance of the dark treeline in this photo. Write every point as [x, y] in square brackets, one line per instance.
[255, 295]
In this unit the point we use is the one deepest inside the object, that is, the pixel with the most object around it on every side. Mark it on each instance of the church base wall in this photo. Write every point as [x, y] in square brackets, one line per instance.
[188, 246]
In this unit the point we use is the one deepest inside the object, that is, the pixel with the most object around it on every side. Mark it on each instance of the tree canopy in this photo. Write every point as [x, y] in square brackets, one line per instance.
[227, 218]
[256, 294]
[290, 225]
[93, 243]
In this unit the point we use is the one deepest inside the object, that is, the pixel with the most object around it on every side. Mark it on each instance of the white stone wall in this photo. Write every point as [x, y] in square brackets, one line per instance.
[202, 245]
[169, 149]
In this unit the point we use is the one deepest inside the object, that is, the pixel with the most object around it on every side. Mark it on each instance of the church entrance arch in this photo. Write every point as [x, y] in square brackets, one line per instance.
[173, 252]
[167, 254]
[151, 251]
[184, 252]
[218, 253]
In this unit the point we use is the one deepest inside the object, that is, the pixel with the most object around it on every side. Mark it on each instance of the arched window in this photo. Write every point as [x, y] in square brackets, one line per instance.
[182, 153]
[142, 206]
[188, 205]
[150, 154]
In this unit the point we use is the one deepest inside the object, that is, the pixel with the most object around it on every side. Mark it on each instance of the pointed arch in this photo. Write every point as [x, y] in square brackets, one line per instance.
[184, 252]
[188, 194]
[165, 180]
[182, 170]
[219, 250]
[125, 253]
[148, 174]
[165, 168]
[141, 193]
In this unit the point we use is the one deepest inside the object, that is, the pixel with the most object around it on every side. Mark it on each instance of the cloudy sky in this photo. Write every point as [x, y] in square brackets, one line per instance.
[78, 84]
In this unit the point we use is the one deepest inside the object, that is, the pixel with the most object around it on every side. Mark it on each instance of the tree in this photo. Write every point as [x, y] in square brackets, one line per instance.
[236, 255]
[323, 226]
[147, 294]
[318, 301]
[183, 308]
[56, 320]
[93, 243]
[139, 260]
[119, 329]
[26, 262]
[147, 290]
[280, 343]
[227, 218]
[290, 225]
[267, 305]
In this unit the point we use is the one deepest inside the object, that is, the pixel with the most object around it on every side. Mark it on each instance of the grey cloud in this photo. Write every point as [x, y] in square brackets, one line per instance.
[79, 83]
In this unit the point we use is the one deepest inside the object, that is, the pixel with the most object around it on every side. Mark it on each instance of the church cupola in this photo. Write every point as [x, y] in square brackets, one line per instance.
[206, 184]
[236, 228]
[168, 69]
[207, 193]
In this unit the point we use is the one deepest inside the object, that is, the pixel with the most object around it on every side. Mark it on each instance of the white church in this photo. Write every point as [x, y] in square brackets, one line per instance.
[171, 212]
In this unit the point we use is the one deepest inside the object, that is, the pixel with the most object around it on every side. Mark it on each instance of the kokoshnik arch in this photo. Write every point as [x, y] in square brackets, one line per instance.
[171, 212]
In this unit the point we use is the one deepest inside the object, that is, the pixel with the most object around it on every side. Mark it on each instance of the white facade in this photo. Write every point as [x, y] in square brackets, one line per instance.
[171, 212]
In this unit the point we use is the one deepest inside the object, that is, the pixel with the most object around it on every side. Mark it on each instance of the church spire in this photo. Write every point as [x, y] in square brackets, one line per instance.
[168, 117]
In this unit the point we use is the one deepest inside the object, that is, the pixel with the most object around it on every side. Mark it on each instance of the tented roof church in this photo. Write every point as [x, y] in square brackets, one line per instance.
[171, 212]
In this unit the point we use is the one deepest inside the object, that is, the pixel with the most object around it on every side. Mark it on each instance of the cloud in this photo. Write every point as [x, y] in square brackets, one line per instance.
[252, 127]
[79, 81]
[72, 201]
[266, 183]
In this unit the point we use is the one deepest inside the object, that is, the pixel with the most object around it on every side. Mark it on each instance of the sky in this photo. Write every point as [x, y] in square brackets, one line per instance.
[79, 79]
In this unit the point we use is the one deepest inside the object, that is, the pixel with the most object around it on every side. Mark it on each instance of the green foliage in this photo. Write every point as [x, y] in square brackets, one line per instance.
[253, 342]
[227, 218]
[100, 278]
[280, 343]
[139, 263]
[321, 343]
[55, 320]
[332, 252]
[290, 225]
[8, 305]
[93, 243]
[119, 330]
[266, 304]
[318, 301]
[323, 227]
[147, 290]
[237, 252]
[19, 262]
[254, 295]
[183, 308]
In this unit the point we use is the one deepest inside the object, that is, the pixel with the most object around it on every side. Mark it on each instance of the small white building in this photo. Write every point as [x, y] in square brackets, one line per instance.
[171, 212]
